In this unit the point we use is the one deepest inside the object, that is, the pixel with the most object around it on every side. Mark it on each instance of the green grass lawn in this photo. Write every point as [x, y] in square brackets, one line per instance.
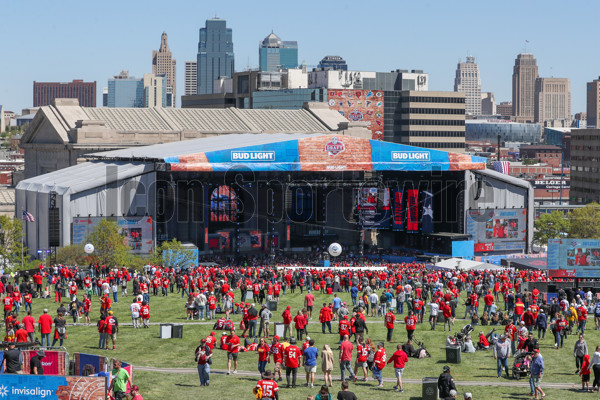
[143, 347]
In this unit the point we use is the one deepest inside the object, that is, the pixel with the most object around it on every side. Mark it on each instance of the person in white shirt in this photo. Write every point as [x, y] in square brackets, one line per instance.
[135, 314]
[374, 299]
[434, 309]
[201, 305]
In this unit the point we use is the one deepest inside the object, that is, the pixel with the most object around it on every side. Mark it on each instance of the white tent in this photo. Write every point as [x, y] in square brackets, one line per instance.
[467, 265]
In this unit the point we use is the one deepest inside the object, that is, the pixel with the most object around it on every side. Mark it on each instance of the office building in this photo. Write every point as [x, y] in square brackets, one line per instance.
[488, 104]
[215, 54]
[163, 64]
[155, 90]
[434, 120]
[504, 109]
[585, 166]
[468, 81]
[45, 92]
[191, 78]
[125, 91]
[553, 101]
[105, 96]
[275, 54]
[525, 73]
[333, 62]
[593, 103]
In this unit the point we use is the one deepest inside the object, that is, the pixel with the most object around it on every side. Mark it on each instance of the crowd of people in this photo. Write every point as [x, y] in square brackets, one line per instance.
[215, 292]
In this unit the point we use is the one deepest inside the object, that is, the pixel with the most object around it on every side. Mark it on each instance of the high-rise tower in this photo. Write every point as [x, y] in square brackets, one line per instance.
[525, 72]
[163, 64]
[275, 54]
[468, 81]
[215, 54]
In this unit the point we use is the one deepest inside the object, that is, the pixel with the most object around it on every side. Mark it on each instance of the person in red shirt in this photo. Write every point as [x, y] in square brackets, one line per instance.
[8, 305]
[291, 359]
[309, 301]
[362, 354]
[287, 322]
[581, 318]
[379, 362]
[21, 334]
[211, 340]
[29, 323]
[511, 331]
[223, 345]
[325, 316]
[399, 358]
[105, 304]
[27, 298]
[145, 314]
[301, 322]
[346, 349]
[344, 328]
[484, 343]
[389, 324]
[263, 355]
[488, 299]
[45, 327]
[268, 387]
[277, 352]
[212, 306]
[87, 305]
[233, 344]
[101, 332]
[112, 328]
[411, 324]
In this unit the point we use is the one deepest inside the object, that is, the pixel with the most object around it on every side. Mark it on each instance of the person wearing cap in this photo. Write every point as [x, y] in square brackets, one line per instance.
[446, 384]
[277, 352]
[12, 360]
[45, 327]
[35, 365]
[203, 354]
[468, 396]
[453, 394]
[233, 349]
[112, 328]
[118, 385]
[502, 350]
[211, 340]
[134, 392]
[267, 387]
[537, 372]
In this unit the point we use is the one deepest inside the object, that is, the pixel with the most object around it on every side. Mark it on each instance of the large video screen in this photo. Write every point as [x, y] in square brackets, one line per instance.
[136, 231]
[498, 229]
[223, 204]
[578, 258]
[374, 208]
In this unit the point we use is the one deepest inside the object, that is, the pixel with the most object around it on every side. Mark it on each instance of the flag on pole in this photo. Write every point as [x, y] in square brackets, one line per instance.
[502, 167]
[27, 216]
[427, 218]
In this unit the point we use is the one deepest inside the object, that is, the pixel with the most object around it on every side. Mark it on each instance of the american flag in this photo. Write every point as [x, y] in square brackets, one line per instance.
[27, 216]
[502, 167]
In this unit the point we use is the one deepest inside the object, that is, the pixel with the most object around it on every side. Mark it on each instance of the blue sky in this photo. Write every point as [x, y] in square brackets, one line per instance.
[65, 40]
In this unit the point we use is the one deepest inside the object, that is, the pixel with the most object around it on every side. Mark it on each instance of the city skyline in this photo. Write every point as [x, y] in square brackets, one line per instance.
[96, 53]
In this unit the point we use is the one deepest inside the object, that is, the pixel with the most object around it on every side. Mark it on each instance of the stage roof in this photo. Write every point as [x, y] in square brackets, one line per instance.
[296, 152]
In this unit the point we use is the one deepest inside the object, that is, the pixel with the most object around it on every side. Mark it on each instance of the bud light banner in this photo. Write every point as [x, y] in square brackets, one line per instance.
[322, 153]
[35, 387]
[412, 222]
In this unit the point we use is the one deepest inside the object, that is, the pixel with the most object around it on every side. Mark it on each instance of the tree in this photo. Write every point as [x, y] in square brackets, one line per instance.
[171, 253]
[109, 245]
[585, 222]
[12, 249]
[550, 226]
[72, 255]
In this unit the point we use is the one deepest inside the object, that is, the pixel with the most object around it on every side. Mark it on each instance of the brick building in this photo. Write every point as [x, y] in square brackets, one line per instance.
[546, 154]
[45, 92]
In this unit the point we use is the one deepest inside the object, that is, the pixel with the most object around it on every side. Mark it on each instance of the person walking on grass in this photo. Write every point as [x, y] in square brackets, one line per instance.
[399, 358]
[446, 384]
[327, 364]
[502, 351]
[310, 355]
[121, 378]
[346, 348]
[537, 372]
[60, 329]
[203, 355]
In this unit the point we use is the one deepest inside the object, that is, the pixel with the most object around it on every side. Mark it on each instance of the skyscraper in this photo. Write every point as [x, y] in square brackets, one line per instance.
[525, 72]
[553, 101]
[191, 78]
[468, 81]
[163, 64]
[333, 62]
[125, 91]
[155, 90]
[275, 54]
[215, 54]
[45, 92]
[593, 103]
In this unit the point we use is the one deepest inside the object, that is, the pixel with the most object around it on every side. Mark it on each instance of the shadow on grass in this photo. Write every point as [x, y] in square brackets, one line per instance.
[184, 385]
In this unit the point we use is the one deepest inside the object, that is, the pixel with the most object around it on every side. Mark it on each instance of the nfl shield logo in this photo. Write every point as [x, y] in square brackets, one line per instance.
[334, 147]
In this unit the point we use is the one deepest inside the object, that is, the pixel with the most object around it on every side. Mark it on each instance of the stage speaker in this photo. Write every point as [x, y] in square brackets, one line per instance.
[53, 227]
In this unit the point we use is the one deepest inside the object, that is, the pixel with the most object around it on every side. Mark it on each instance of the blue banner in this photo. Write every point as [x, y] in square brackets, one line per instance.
[427, 219]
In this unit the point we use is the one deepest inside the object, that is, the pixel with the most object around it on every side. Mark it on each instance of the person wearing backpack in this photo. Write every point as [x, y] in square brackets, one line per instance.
[252, 315]
[204, 360]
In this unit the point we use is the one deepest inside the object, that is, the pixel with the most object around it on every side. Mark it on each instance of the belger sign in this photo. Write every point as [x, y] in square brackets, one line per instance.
[334, 147]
